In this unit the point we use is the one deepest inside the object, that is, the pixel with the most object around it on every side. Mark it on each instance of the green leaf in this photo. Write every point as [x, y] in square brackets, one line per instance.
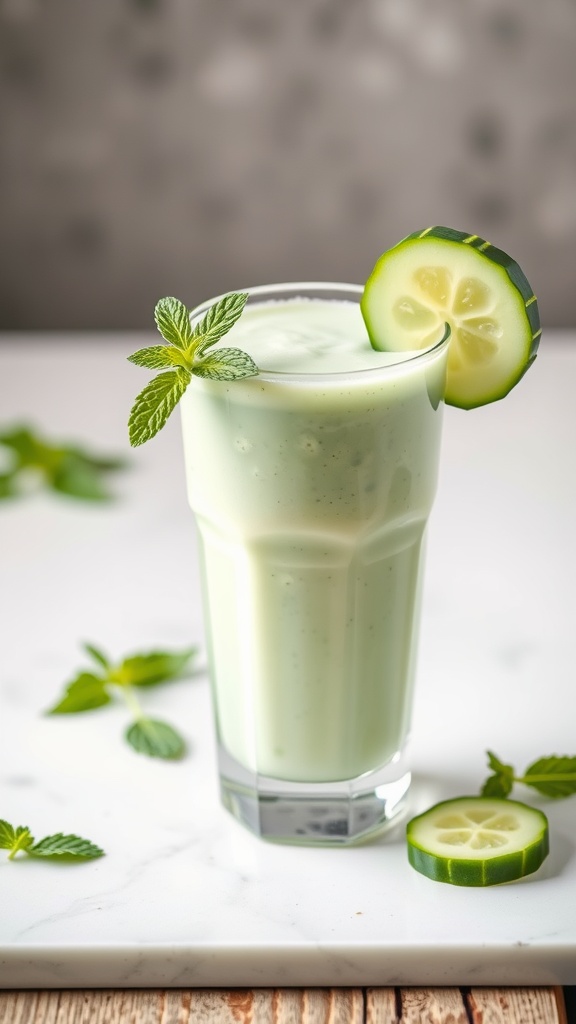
[226, 364]
[68, 469]
[173, 322]
[105, 463]
[553, 776]
[14, 839]
[498, 766]
[97, 655]
[8, 488]
[152, 668]
[155, 403]
[78, 479]
[497, 785]
[156, 739]
[7, 835]
[84, 693]
[218, 320]
[70, 846]
[29, 448]
[156, 357]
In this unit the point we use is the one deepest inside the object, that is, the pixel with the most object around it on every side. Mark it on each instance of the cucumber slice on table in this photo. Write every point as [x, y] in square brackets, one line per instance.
[476, 840]
[441, 276]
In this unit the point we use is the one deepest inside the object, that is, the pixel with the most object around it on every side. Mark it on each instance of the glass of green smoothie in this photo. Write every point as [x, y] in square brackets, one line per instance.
[311, 500]
[311, 450]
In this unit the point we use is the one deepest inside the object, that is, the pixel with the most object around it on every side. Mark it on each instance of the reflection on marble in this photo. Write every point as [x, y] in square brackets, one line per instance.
[185, 896]
[152, 148]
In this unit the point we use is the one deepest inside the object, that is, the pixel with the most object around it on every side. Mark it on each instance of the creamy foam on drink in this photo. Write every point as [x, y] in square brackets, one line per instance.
[307, 336]
[311, 496]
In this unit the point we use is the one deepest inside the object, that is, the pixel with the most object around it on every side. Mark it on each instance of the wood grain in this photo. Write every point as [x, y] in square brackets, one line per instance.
[517, 1006]
[200, 1006]
[433, 1006]
[286, 1006]
[381, 1006]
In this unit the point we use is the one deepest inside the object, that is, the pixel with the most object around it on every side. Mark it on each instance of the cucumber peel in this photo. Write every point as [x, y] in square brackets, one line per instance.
[439, 276]
[478, 841]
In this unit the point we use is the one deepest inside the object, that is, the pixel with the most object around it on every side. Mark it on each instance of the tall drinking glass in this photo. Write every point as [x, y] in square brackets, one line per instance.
[311, 493]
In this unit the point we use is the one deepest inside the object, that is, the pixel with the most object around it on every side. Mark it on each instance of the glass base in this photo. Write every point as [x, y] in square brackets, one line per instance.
[314, 813]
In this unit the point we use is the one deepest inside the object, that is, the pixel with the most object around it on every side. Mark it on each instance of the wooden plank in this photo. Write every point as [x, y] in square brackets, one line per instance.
[285, 1006]
[129, 1006]
[199, 1006]
[516, 1006]
[433, 1006]
[381, 1006]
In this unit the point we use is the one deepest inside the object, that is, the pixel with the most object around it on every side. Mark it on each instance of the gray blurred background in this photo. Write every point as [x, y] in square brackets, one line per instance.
[189, 147]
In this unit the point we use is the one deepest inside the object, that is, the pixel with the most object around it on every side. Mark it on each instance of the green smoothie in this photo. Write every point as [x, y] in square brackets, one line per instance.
[311, 485]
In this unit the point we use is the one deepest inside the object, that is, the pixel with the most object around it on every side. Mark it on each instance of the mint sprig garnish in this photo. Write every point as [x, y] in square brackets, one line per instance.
[68, 469]
[553, 776]
[95, 688]
[20, 840]
[185, 355]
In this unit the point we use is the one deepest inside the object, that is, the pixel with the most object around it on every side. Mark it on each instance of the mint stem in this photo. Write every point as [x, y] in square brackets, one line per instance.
[132, 702]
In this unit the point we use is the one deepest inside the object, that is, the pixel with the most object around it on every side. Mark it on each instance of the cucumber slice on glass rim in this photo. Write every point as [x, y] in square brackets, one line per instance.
[476, 840]
[438, 276]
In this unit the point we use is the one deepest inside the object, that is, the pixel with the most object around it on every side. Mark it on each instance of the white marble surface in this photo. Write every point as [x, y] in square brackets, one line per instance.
[184, 895]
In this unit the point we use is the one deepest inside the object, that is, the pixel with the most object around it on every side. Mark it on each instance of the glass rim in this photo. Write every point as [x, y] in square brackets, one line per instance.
[403, 358]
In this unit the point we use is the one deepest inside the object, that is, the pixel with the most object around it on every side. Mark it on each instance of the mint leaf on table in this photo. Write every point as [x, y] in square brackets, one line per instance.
[182, 357]
[93, 689]
[553, 776]
[150, 669]
[69, 846]
[20, 840]
[86, 692]
[8, 488]
[98, 656]
[14, 839]
[66, 468]
[501, 783]
[156, 739]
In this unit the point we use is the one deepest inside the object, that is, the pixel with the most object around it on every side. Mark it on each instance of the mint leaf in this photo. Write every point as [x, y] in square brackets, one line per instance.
[8, 487]
[501, 783]
[97, 655]
[150, 669]
[157, 357]
[553, 776]
[7, 835]
[24, 444]
[226, 364]
[497, 785]
[173, 322]
[498, 766]
[14, 839]
[156, 739]
[89, 690]
[70, 846]
[68, 469]
[78, 479]
[218, 320]
[155, 403]
[84, 693]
